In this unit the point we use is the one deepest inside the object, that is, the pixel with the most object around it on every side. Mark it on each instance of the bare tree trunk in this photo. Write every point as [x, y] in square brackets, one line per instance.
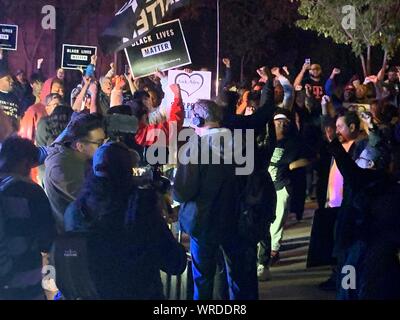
[363, 65]
[385, 59]
[369, 61]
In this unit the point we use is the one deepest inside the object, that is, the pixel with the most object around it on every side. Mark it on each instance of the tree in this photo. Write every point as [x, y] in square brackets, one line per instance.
[245, 25]
[362, 24]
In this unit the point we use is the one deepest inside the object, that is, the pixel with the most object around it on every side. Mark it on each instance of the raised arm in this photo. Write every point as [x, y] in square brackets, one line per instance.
[263, 114]
[147, 134]
[288, 90]
[116, 93]
[77, 106]
[300, 76]
[228, 75]
[381, 73]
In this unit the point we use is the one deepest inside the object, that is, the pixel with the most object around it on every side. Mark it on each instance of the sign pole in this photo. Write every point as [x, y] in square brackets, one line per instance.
[218, 47]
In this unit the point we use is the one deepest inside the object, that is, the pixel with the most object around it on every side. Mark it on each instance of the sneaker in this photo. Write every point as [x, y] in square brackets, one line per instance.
[274, 258]
[263, 273]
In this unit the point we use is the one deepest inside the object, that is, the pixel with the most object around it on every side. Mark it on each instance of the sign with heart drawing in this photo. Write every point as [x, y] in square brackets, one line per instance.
[194, 86]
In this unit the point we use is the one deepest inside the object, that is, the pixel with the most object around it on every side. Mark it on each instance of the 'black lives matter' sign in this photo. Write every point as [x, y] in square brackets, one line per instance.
[8, 37]
[162, 49]
[74, 57]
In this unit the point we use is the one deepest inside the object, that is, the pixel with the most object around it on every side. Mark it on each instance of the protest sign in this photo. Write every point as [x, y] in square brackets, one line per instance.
[194, 86]
[75, 57]
[135, 20]
[162, 49]
[8, 37]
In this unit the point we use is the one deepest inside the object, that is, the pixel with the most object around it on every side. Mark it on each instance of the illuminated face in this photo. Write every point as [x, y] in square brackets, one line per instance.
[153, 101]
[54, 103]
[348, 95]
[315, 71]
[106, 86]
[21, 77]
[37, 88]
[343, 131]
[57, 88]
[60, 74]
[6, 84]
[392, 76]
[281, 127]
[91, 143]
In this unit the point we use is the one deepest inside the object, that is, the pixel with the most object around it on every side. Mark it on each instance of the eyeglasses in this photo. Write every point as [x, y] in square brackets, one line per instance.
[98, 143]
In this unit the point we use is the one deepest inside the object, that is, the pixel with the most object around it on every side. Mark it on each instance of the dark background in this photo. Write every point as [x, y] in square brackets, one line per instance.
[81, 21]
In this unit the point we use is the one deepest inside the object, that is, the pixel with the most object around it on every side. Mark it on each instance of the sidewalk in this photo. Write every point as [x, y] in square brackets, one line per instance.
[291, 280]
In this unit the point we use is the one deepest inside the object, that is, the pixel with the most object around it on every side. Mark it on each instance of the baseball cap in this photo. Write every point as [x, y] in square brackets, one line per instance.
[281, 116]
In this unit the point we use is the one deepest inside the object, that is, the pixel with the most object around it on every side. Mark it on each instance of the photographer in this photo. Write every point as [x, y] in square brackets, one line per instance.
[133, 242]
[67, 162]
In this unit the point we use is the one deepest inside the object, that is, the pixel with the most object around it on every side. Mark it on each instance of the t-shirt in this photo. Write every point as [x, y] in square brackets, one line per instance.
[10, 106]
[335, 184]
[286, 151]
[318, 87]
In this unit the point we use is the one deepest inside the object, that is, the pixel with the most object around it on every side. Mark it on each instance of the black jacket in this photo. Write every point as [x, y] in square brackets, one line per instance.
[128, 243]
[207, 192]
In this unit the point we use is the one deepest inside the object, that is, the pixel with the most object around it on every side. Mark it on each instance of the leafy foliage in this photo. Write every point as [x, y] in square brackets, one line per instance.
[377, 22]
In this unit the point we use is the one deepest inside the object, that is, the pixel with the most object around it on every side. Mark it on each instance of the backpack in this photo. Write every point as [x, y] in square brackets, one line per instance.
[256, 205]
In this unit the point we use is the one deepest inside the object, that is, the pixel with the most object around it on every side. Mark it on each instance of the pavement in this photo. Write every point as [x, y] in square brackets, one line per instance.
[291, 279]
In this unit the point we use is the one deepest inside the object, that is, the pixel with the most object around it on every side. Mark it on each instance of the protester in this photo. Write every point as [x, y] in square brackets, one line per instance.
[28, 228]
[137, 243]
[9, 103]
[314, 79]
[206, 192]
[370, 223]
[288, 155]
[147, 134]
[68, 162]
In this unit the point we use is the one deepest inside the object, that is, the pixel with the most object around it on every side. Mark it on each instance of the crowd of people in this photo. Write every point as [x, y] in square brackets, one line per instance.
[71, 174]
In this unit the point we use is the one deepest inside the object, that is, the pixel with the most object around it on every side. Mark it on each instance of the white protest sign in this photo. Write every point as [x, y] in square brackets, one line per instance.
[194, 86]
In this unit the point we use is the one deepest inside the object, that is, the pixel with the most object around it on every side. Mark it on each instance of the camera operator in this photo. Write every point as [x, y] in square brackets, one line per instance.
[133, 242]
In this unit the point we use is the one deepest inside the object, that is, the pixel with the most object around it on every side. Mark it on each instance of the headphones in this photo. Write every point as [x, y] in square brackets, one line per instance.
[198, 121]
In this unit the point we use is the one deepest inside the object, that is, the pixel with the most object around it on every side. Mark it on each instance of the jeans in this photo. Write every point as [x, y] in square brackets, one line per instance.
[241, 268]
[282, 209]
[264, 249]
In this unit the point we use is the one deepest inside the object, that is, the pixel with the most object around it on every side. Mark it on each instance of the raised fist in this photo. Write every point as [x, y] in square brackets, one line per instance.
[119, 82]
[226, 62]
[93, 60]
[336, 71]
